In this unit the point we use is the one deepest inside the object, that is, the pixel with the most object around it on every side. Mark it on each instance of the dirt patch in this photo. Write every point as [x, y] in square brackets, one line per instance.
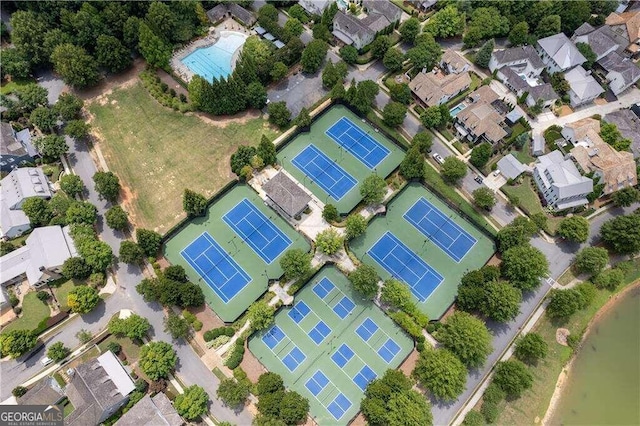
[600, 101]
[127, 200]
[565, 110]
[561, 336]
[106, 86]
[359, 420]
[410, 363]
[171, 82]
[224, 121]
[252, 366]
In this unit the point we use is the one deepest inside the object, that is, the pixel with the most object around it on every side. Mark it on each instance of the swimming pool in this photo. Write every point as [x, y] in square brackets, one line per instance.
[455, 110]
[215, 61]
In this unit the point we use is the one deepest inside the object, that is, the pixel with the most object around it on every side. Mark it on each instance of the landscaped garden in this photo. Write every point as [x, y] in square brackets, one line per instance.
[34, 311]
[158, 152]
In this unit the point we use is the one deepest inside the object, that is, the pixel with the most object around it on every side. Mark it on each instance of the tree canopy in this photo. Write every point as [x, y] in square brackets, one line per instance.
[313, 55]
[329, 241]
[531, 347]
[453, 169]
[394, 114]
[591, 260]
[16, 343]
[157, 360]
[513, 377]
[483, 197]
[193, 203]
[82, 299]
[373, 189]
[355, 225]
[134, 326]
[261, 315]
[107, 185]
[524, 265]
[295, 263]
[574, 228]
[467, 337]
[441, 372]
[365, 280]
[192, 403]
[622, 234]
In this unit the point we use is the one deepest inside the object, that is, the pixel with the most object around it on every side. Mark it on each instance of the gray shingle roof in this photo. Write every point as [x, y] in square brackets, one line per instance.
[9, 145]
[629, 126]
[618, 63]
[156, 411]
[510, 167]
[383, 7]
[45, 392]
[523, 53]
[601, 41]
[351, 25]
[582, 83]
[239, 12]
[286, 194]
[514, 80]
[543, 92]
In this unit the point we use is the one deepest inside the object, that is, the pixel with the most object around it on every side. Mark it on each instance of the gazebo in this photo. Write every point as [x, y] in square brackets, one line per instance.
[286, 196]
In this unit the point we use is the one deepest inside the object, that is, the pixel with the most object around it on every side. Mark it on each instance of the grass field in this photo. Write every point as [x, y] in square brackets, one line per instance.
[534, 402]
[343, 158]
[158, 152]
[62, 291]
[242, 253]
[530, 203]
[444, 295]
[12, 86]
[33, 311]
[319, 356]
[130, 348]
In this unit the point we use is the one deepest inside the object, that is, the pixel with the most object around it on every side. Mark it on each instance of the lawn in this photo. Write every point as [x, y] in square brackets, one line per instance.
[33, 312]
[529, 201]
[158, 152]
[61, 292]
[12, 86]
[534, 403]
[130, 348]
[524, 155]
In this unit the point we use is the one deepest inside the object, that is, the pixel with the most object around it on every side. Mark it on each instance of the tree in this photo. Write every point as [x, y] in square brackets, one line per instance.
[82, 299]
[401, 93]
[192, 403]
[44, 118]
[524, 266]
[134, 327]
[519, 34]
[373, 189]
[76, 67]
[232, 393]
[111, 54]
[337, 92]
[431, 117]
[560, 84]
[609, 279]
[293, 27]
[16, 343]
[563, 303]
[513, 377]
[516, 233]
[303, 119]
[501, 301]
[355, 225]
[625, 197]
[84, 336]
[77, 129]
[82, 212]
[530, 348]
[243, 156]
[396, 294]
[445, 23]
[467, 337]
[587, 52]
[473, 418]
[76, 268]
[295, 263]
[484, 198]
[266, 150]
[28, 30]
[256, 95]
[107, 185]
[194, 204]
[622, 234]
[591, 260]
[480, 155]
[393, 59]
[58, 351]
[574, 228]
[176, 326]
[157, 360]
[97, 254]
[279, 114]
[426, 54]
[380, 46]
[6, 247]
[279, 71]
[441, 372]
[154, 50]
[117, 218]
[409, 30]
[349, 54]
[130, 252]
[329, 241]
[333, 74]
[269, 383]
[423, 141]
[294, 408]
[363, 95]
[176, 273]
[330, 213]
[611, 135]
[484, 54]
[313, 55]
[260, 314]
[149, 241]
[51, 146]
[19, 391]
[394, 114]
[68, 106]
[453, 169]
[32, 96]
[37, 210]
[365, 280]
[14, 64]
[412, 166]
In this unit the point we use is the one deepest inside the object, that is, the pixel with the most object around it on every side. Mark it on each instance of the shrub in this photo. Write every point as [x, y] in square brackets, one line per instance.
[216, 332]
[236, 353]
[114, 347]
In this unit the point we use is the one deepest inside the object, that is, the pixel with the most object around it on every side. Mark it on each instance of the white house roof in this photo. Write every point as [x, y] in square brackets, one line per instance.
[510, 167]
[562, 50]
[14, 264]
[582, 83]
[116, 372]
[23, 183]
[563, 174]
[10, 219]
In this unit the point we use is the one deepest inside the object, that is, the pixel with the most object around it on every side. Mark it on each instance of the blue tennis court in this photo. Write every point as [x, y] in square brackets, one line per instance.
[403, 264]
[323, 288]
[299, 312]
[339, 406]
[324, 171]
[257, 230]
[344, 307]
[367, 329]
[225, 277]
[440, 229]
[273, 336]
[319, 332]
[342, 355]
[294, 358]
[389, 350]
[364, 376]
[317, 383]
[355, 140]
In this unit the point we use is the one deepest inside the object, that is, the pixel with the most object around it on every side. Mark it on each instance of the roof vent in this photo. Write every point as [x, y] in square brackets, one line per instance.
[593, 152]
[39, 189]
[33, 172]
[41, 269]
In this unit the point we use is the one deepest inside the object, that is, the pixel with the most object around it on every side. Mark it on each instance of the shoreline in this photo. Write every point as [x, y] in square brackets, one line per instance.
[564, 374]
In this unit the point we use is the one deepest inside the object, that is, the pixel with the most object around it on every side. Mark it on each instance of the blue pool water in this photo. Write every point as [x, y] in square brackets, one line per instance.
[215, 61]
[455, 110]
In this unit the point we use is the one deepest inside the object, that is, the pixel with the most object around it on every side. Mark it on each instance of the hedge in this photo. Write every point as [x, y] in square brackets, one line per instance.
[216, 332]
[235, 355]
[407, 323]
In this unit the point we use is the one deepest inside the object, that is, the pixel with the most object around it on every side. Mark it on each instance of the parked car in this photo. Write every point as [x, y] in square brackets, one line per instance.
[478, 179]
[46, 361]
[497, 172]
[438, 158]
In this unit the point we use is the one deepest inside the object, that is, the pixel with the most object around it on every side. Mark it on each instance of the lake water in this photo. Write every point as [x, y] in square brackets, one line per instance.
[603, 387]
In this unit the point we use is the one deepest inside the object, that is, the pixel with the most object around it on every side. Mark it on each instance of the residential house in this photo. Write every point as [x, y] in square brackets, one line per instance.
[223, 10]
[560, 183]
[286, 196]
[523, 60]
[616, 169]
[510, 167]
[629, 126]
[602, 40]
[627, 26]
[558, 53]
[452, 63]
[584, 88]
[315, 7]
[46, 391]
[422, 5]
[40, 260]
[621, 72]
[483, 119]
[385, 8]
[15, 148]
[98, 388]
[151, 410]
[359, 32]
[577, 131]
[436, 88]
[16, 187]
[542, 94]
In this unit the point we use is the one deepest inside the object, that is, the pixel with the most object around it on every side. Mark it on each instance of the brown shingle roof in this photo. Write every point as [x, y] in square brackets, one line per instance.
[286, 194]
[431, 88]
